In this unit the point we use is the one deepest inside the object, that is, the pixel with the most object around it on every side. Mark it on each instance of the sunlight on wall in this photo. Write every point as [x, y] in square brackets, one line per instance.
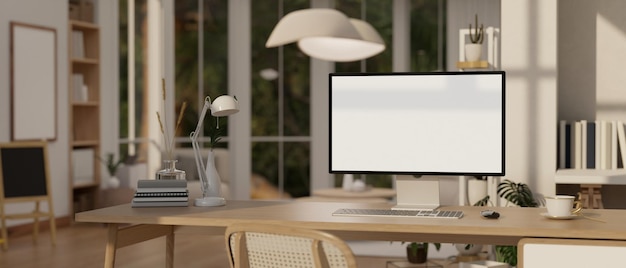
[611, 55]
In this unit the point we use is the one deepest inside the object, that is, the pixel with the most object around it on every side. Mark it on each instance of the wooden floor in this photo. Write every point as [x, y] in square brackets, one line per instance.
[82, 245]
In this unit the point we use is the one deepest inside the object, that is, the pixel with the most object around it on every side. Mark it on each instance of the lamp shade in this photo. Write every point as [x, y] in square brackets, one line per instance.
[224, 105]
[327, 34]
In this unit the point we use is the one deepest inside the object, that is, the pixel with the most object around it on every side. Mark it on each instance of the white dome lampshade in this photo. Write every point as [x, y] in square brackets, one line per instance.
[224, 105]
[327, 34]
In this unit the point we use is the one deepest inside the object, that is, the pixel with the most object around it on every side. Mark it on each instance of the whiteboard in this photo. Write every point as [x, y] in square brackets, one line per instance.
[33, 82]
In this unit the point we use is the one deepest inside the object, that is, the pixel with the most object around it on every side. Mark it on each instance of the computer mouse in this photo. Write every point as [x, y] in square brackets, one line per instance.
[490, 214]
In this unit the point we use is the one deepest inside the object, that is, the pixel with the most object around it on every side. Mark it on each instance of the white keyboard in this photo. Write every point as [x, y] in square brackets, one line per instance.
[442, 214]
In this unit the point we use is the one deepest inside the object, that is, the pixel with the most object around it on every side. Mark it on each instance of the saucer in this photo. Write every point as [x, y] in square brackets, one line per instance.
[569, 217]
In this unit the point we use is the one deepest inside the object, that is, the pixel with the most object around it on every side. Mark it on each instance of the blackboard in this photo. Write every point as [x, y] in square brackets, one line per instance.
[24, 178]
[23, 170]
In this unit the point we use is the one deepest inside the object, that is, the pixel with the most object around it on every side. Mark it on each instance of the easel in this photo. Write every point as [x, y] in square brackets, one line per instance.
[24, 177]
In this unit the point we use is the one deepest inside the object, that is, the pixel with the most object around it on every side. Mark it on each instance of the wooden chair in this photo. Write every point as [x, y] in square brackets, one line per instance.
[24, 177]
[266, 245]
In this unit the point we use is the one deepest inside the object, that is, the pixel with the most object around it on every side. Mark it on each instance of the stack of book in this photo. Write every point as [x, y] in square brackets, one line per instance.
[161, 193]
[596, 144]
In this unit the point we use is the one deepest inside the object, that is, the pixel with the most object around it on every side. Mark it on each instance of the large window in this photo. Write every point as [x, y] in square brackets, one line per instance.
[201, 60]
[280, 106]
[131, 103]
[280, 94]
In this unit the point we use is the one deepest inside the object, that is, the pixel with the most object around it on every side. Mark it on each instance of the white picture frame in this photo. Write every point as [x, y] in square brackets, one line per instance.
[33, 82]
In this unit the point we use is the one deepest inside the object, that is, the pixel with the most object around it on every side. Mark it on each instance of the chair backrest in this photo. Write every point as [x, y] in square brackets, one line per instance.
[267, 245]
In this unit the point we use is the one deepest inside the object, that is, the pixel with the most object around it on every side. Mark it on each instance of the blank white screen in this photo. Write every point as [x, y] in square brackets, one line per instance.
[438, 123]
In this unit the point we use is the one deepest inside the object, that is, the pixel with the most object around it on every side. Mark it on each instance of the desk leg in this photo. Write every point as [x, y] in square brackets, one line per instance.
[169, 250]
[109, 254]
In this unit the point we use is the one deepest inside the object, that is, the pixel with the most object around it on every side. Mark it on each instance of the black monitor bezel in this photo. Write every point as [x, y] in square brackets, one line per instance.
[503, 115]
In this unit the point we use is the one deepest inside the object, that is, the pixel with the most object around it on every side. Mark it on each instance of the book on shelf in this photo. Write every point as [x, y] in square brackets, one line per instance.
[565, 154]
[605, 144]
[583, 144]
[576, 145]
[83, 166]
[621, 139]
[598, 152]
[599, 144]
[80, 90]
[590, 134]
[614, 145]
[160, 204]
[78, 44]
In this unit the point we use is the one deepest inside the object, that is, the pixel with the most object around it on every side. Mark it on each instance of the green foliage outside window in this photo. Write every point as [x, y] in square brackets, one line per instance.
[295, 101]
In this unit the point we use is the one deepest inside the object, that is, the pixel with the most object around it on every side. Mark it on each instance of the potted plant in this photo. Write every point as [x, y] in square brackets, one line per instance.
[474, 49]
[518, 194]
[417, 252]
[468, 249]
[112, 165]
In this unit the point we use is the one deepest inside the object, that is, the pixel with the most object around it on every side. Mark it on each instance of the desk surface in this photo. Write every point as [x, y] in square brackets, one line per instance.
[513, 224]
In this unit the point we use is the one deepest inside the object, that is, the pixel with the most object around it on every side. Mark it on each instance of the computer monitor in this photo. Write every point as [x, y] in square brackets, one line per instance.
[434, 123]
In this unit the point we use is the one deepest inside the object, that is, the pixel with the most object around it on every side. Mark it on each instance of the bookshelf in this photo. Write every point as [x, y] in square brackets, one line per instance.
[591, 154]
[84, 113]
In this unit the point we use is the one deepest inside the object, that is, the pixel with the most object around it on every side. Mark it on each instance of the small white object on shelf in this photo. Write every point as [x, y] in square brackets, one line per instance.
[358, 186]
[348, 180]
[483, 264]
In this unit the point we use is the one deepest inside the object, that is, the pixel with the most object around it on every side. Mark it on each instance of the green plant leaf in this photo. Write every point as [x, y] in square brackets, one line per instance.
[517, 193]
[507, 254]
[110, 163]
[483, 202]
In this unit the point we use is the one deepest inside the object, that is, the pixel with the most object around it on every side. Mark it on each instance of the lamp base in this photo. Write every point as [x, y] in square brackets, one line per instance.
[209, 201]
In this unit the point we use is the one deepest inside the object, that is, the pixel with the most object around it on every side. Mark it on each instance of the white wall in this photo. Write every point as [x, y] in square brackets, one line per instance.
[592, 42]
[592, 38]
[529, 57]
[108, 20]
[52, 14]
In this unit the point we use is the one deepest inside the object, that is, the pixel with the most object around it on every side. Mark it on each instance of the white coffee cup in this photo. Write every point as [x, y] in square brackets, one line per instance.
[562, 205]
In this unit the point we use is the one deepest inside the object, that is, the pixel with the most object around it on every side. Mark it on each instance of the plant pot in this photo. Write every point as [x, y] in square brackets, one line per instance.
[418, 256]
[113, 182]
[473, 52]
[473, 249]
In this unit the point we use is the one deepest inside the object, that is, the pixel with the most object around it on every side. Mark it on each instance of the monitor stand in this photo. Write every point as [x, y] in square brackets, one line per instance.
[417, 194]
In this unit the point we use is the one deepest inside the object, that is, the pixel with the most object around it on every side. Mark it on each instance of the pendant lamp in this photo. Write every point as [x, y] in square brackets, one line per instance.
[327, 34]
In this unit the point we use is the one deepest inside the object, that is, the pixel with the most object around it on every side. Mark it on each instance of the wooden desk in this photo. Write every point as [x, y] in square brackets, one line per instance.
[514, 223]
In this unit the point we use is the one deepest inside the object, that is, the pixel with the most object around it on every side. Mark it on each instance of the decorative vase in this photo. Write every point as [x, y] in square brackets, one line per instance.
[468, 250]
[169, 172]
[113, 182]
[473, 52]
[211, 185]
[420, 255]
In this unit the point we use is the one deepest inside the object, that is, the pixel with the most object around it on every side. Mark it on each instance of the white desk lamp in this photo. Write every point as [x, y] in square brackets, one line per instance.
[211, 186]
